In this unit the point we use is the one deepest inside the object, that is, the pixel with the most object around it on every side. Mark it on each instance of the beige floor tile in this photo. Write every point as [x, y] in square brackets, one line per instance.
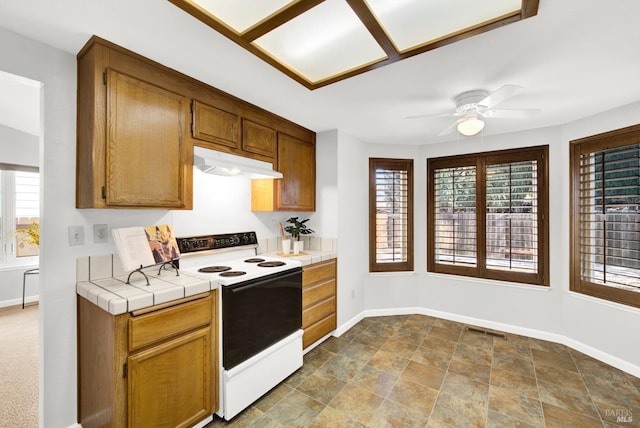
[453, 411]
[424, 374]
[356, 403]
[375, 380]
[556, 417]
[295, 409]
[516, 382]
[523, 408]
[413, 395]
[394, 415]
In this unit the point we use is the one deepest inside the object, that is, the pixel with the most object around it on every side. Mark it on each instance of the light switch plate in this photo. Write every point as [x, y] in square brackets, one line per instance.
[76, 235]
[100, 235]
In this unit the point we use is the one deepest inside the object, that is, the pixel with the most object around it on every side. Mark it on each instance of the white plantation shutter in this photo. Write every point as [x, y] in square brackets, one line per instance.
[391, 214]
[27, 203]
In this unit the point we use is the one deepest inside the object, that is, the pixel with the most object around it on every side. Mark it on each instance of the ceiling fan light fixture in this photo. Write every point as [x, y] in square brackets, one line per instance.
[470, 126]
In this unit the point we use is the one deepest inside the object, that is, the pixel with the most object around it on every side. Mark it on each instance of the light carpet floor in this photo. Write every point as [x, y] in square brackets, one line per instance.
[19, 367]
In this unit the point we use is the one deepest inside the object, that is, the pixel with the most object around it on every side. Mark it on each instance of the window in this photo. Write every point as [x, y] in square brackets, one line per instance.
[390, 215]
[19, 214]
[605, 216]
[487, 215]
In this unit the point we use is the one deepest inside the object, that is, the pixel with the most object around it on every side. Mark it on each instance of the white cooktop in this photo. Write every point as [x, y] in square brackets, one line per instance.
[237, 261]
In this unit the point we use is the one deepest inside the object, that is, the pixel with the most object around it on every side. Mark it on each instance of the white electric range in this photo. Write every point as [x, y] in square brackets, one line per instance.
[261, 313]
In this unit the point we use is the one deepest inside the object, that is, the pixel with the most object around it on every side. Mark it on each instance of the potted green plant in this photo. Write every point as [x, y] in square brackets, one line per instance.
[295, 229]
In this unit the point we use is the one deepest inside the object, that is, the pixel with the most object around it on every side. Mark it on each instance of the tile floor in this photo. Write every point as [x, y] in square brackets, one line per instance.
[419, 371]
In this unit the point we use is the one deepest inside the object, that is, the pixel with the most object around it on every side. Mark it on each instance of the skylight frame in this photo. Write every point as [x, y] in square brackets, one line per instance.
[293, 9]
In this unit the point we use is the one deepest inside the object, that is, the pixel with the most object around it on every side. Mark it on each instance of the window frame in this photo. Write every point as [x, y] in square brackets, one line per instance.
[599, 142]
[9, 250]
[480, 161]
[399, 165]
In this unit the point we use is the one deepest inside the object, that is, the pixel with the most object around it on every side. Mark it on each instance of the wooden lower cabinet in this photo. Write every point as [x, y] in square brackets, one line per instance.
[157, 367]
[181, 367]
[319, 301]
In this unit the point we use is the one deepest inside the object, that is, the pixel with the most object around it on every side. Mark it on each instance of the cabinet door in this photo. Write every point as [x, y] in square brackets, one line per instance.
[146, 152]
[258, 139]
[170, 384]
[296, 191]
[215, 125]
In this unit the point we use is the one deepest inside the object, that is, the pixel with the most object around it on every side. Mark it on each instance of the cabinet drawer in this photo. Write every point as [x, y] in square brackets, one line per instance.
[318, 330]
[318, 292]
[319, 272]
[318, 312]
[165, 323]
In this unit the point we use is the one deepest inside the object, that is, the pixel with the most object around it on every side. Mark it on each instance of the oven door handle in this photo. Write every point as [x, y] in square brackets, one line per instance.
[258, 282]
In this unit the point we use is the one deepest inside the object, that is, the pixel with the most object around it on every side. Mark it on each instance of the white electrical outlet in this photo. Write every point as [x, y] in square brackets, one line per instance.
[76, 235]
[100, 235]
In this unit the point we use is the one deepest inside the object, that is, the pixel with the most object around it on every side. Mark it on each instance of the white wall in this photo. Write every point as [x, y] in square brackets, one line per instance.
[325, 220]
[17, 147]
[353, 214]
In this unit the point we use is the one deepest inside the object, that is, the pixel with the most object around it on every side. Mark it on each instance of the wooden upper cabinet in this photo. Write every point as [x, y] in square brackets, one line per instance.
[145, 144]
[259, 139]
[137, 123]
[133, 145]
[296, 191]
[215, 125]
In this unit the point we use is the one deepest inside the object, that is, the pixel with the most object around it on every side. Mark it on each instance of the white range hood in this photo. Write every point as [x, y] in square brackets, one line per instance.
[220, 163]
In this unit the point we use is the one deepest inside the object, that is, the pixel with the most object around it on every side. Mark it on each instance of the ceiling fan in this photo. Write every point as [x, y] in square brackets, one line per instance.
[472, 106]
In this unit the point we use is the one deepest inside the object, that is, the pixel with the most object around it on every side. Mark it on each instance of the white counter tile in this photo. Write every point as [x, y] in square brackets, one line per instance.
[100, 266]
[114, 295]
[139, 301]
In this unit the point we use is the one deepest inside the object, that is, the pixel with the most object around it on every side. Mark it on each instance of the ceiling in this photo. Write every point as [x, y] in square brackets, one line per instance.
[574, 59]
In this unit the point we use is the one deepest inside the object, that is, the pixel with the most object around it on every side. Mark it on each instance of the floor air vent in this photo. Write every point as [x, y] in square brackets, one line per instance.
[486, 332]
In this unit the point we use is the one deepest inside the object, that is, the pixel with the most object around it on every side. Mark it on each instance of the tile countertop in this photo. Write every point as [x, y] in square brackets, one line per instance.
[107, 285]
[316, 249]
[307, 257]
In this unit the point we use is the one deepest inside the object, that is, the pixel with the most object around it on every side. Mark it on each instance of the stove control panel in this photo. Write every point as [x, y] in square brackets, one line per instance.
[193, 244]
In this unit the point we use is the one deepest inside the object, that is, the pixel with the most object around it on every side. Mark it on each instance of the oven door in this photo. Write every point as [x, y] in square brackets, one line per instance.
[258, 313]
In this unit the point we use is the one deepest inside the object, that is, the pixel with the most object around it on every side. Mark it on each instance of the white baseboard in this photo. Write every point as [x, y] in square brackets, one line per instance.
[508, 328]
[18, 302]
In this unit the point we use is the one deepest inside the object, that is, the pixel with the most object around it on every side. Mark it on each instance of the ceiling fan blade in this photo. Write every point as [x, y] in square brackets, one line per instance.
[501, 94]
[449, 128]
[509, 114]
[430, 115]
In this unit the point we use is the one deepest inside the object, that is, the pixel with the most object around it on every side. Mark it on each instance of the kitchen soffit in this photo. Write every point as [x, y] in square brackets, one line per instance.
[319, 42]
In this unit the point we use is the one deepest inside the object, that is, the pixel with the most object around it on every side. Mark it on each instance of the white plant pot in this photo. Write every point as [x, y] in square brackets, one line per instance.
[286, 246]
[298, 247]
